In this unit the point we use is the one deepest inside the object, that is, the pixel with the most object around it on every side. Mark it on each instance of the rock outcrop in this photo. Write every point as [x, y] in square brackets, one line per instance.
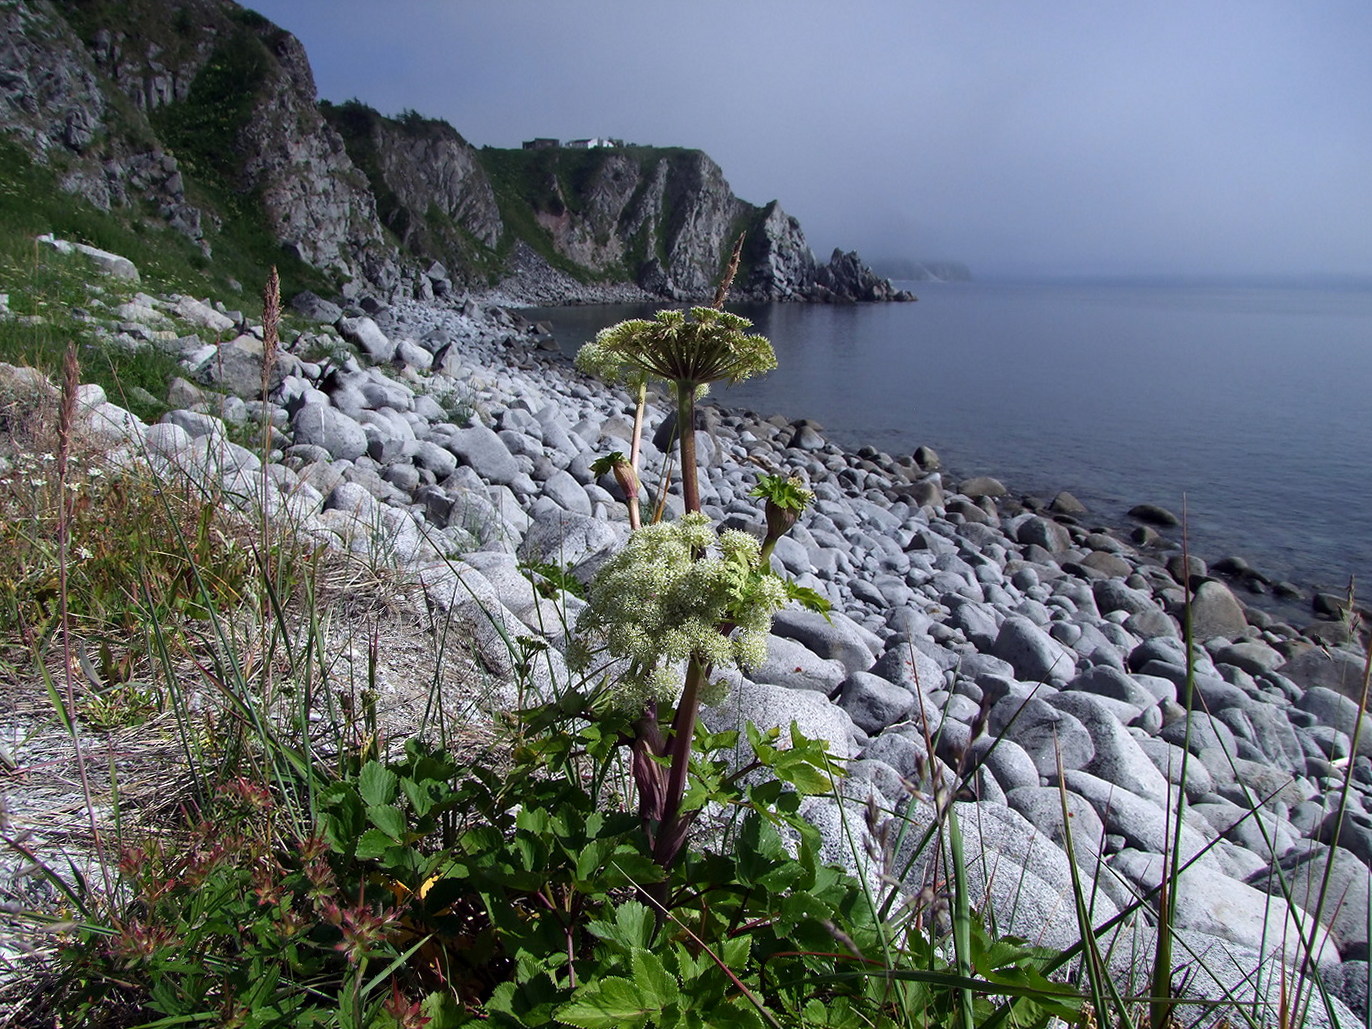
[430, 187]
[845, 277]
[208, 113]
[56, 106]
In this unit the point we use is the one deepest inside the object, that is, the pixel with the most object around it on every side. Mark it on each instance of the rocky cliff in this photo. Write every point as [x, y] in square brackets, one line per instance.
[203, 111]
[203, 114]
[430, 189]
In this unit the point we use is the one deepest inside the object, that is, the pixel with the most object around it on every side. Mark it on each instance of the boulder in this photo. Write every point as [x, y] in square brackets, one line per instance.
[873, 703]
[1045, 532]
[769, 707]
[1211, 902]
[791, 664]
[1215, 611]
[836, 636]
[1152, 514]
[1143, 824]
[982, 486]
[315, 308]
[367, 336]
[202, 315]
[1065, 503]
[1035, 656]
[1118, 757]
[236, 366]
[1046, 733]
[1334, 669]
[108, 263]
[325, 426]
[483, 451]
[1333, 709]
[562, 538]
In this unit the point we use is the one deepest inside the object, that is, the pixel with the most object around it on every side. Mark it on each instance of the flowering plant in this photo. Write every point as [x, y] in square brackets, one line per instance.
[656, 604]
[687, 351]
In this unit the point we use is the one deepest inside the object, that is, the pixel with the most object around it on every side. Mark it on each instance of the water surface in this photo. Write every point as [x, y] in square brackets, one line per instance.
[1251, 406]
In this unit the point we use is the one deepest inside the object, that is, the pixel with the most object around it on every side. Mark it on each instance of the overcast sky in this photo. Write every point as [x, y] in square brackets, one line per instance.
[1072, 137]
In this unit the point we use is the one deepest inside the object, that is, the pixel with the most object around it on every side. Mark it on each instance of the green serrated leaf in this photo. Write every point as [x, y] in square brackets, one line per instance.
[377, 784]
[736, 951]
[632, 926]
[341, 818]
[421, 795]
[373, 844]
[533, 820]
[805, 777]
[808, 598]
[736, 1013]
[606, 1004]
[589, 860]
[442, 1012]
[483, 841]
[653, 979]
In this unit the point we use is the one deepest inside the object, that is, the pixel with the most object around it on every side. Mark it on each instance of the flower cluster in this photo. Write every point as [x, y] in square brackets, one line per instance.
[692, 352]
[678, 591]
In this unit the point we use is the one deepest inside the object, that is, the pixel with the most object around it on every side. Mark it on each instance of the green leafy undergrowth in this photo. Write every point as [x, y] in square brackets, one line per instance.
[462, 893]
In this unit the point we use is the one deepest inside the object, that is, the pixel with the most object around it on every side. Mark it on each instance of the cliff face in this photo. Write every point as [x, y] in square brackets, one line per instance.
[317, 203]
[205, 114]
[430, 189]
[205, 111]
[57, 106]
[659, 218]
[779, 260]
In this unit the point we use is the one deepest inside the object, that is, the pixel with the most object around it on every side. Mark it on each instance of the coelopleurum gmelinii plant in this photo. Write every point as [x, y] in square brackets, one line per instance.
[626, 474]
[679, 591]
[655, 604]
[786, 497]
[688, 351]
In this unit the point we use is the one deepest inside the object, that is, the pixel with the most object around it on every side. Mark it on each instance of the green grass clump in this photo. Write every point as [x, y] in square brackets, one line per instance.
[46, 290]
[123, 567]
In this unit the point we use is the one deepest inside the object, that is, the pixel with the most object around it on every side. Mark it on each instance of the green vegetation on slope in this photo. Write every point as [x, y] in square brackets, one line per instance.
[203, 132]
[40, 282]
[553, 182]
[430, 233]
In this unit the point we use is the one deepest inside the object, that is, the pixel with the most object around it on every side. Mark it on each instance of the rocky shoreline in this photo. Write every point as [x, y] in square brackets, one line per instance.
[1006, 637]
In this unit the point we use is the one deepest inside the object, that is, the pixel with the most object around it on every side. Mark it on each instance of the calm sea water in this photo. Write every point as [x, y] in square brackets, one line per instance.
[1252, 406]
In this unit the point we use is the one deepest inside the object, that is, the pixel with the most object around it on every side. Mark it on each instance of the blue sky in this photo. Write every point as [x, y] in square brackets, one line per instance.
[1079, 137]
